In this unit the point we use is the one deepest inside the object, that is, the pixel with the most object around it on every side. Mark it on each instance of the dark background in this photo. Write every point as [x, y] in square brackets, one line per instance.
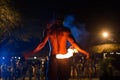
[90, 12]
[96, 15]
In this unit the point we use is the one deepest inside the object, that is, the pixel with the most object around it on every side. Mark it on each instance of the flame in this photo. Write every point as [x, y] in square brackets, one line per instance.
[68, 54]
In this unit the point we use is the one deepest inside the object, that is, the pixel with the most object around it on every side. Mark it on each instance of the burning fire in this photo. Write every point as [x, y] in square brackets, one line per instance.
[68, 54]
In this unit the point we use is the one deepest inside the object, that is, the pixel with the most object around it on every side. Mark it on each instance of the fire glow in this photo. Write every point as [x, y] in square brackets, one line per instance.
[67, 55]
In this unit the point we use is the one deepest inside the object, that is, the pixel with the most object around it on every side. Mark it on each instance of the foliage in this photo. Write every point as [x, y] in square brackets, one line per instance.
[9, 17]
[107, 68]
[111, 47]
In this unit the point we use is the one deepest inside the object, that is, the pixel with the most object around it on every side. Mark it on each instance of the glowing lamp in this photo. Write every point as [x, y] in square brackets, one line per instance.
[35, 57]
[105, 34]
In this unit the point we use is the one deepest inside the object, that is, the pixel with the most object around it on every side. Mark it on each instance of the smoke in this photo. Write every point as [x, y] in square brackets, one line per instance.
[78, 29]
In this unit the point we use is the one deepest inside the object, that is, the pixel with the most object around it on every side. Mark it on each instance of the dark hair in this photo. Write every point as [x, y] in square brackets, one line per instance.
[59, 18]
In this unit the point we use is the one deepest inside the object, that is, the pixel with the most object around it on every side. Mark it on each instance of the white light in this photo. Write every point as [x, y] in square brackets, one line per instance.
[42, 59]
[67, 55]
[105, 34]
[3, 57]
[75, 51]
[118, 53]
[42, 62]
[104, 55]
[112, 53]
[35, 57]
[18, 57]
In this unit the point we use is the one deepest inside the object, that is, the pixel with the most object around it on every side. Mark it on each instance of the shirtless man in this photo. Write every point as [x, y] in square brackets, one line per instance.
[57, 35]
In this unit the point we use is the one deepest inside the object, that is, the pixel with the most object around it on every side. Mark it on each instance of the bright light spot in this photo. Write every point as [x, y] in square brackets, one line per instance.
[67, 55]
[42, 59]
[105, 34]
[75, 50]
[3, 57]
[118, 53]
[112, 53]
[35, 57]
[18, 57]
[104, 55]
[42, 62]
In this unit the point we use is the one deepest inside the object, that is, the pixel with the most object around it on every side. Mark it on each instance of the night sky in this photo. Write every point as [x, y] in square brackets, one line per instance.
[92, 13]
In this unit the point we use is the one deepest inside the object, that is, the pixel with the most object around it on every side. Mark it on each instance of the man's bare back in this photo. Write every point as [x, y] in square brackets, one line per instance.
[58, 39]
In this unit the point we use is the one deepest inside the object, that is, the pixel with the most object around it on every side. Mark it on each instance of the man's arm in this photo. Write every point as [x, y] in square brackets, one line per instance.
[39, 46]
[75, 45]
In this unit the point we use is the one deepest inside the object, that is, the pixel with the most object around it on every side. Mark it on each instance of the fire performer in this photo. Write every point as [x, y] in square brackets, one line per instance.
[57, 35]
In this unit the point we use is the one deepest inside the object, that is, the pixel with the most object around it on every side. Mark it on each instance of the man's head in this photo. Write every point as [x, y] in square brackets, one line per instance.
[59, 20]
[56, 21]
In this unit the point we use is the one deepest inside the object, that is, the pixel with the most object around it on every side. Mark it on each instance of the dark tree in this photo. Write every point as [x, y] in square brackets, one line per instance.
[10, 17]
